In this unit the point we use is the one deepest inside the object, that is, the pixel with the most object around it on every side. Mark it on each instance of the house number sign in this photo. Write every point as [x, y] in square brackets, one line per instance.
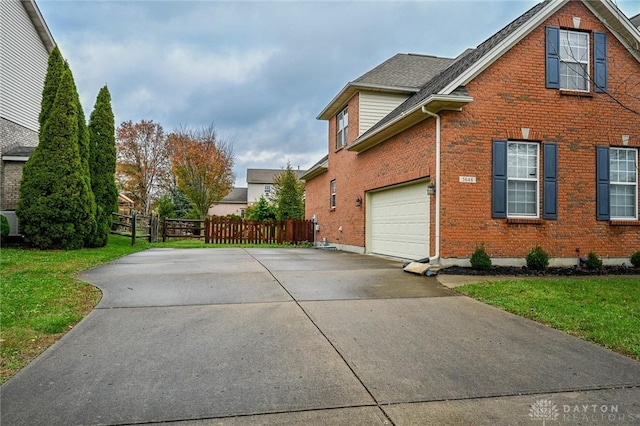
[467, 179]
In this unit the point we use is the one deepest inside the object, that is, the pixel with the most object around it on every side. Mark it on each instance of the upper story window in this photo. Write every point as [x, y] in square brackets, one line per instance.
[574, 60]
[343, 126]
[267, 190]
[623, 183]
[522, 179]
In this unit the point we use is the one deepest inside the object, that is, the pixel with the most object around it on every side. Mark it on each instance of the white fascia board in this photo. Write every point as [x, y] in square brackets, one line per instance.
[14, 158]
[479, 66]
[632, 44]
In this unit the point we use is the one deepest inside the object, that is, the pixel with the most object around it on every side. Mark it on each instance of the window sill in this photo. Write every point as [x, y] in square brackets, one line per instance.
[524, 221]
[576, 93]
[624, 222]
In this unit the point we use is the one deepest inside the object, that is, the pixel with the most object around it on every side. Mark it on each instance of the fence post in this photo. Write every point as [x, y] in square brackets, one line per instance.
[207, 236]
[133, 229]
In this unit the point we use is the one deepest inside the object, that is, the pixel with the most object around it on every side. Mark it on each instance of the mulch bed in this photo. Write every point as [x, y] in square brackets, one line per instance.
[526, 272]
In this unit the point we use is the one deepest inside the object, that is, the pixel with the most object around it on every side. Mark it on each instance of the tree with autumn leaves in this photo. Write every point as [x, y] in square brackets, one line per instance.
[194, 162]
[202, 164]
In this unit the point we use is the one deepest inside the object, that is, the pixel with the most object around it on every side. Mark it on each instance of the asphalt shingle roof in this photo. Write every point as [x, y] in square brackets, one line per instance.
[405, 70]
[267, 175]
[236, 196]
[20, 151]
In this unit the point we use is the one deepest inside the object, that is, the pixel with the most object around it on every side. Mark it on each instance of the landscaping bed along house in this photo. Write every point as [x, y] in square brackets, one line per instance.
[550, 272]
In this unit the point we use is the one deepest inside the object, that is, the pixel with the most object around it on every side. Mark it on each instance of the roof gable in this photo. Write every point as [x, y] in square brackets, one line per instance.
[449, 84]
[402, 73]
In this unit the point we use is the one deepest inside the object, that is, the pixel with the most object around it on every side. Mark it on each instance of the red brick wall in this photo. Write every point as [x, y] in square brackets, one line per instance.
[508, 96]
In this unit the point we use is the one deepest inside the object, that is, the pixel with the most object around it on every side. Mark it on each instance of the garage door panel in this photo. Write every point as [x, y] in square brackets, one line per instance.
[399, 222]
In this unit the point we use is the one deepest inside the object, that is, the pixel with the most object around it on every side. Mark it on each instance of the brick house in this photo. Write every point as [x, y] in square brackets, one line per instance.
[529, 139]
[25, 45]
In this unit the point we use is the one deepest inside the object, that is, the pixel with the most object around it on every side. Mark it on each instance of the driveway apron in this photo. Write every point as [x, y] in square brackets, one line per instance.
[304, 336]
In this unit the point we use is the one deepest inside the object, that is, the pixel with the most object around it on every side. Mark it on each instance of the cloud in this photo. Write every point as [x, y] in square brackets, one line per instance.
[259, 71]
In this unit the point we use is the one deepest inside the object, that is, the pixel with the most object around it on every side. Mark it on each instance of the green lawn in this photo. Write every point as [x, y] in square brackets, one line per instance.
[41, 298]
[604, 310]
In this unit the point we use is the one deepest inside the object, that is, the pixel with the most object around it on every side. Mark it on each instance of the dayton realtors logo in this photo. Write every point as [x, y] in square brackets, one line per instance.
[544, 410]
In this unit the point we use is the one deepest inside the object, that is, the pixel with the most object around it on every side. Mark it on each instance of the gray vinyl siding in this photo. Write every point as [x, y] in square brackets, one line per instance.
[376, 105]
[22, 68]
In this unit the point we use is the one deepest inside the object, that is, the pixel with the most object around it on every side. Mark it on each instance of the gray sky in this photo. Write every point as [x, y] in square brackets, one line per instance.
[259, 71]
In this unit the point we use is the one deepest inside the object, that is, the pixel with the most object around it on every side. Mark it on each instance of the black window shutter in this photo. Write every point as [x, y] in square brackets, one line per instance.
[602, 183]
[600, 61]
[552, 52]
[499, 187]
[550, 201]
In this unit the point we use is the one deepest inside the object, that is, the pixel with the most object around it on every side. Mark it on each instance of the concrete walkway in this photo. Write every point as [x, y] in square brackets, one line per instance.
[303, 336]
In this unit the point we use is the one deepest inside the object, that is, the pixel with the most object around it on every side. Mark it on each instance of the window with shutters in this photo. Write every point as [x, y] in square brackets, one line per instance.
[519, 174]
[569, 58]
[623, 183]
[522, 179]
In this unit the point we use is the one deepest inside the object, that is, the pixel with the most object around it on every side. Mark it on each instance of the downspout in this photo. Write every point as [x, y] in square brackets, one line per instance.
[436, 257]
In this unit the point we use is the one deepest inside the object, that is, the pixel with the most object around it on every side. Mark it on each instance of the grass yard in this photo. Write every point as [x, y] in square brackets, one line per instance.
[604, 310]
[41, 298]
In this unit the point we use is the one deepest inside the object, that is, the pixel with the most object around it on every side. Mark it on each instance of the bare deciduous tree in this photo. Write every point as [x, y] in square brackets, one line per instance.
[143, 161]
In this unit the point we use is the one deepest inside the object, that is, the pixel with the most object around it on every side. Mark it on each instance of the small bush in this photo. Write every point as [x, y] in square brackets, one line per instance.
[593, 261]
[635, 259]
[5, 229]
[480, 260]
[537, 259]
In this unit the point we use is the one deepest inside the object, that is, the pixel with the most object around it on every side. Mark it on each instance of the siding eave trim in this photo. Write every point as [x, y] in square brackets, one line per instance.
[347, 92]
[39, 24]
[434, 103]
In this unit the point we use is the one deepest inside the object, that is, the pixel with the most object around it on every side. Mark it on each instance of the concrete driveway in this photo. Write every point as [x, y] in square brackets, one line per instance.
[304, 336]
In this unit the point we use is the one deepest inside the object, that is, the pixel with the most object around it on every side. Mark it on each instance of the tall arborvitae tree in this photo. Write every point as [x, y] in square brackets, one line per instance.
[55, 197]
[51, 82]
[102, 163]
[83, 148]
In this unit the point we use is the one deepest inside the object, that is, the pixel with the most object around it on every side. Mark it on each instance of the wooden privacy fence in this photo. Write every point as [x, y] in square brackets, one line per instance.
[222, 230]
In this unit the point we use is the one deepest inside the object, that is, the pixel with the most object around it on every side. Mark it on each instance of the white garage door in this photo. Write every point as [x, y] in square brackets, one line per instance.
[398, 222]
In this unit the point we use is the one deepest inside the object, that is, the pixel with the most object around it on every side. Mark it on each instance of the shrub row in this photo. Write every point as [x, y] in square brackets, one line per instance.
[538, 259]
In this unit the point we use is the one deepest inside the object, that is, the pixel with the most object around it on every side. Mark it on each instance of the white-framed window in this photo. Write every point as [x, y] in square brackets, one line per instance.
[343, 127]
[332, 190]
[522, 179]
[574, 60]
[623, 183]
[267, 190]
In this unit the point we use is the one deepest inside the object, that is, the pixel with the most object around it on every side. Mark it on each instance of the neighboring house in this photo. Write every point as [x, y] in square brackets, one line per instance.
[234, 203]
[531, 138]
[260, 183]
[636, 21]
[25, 44]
